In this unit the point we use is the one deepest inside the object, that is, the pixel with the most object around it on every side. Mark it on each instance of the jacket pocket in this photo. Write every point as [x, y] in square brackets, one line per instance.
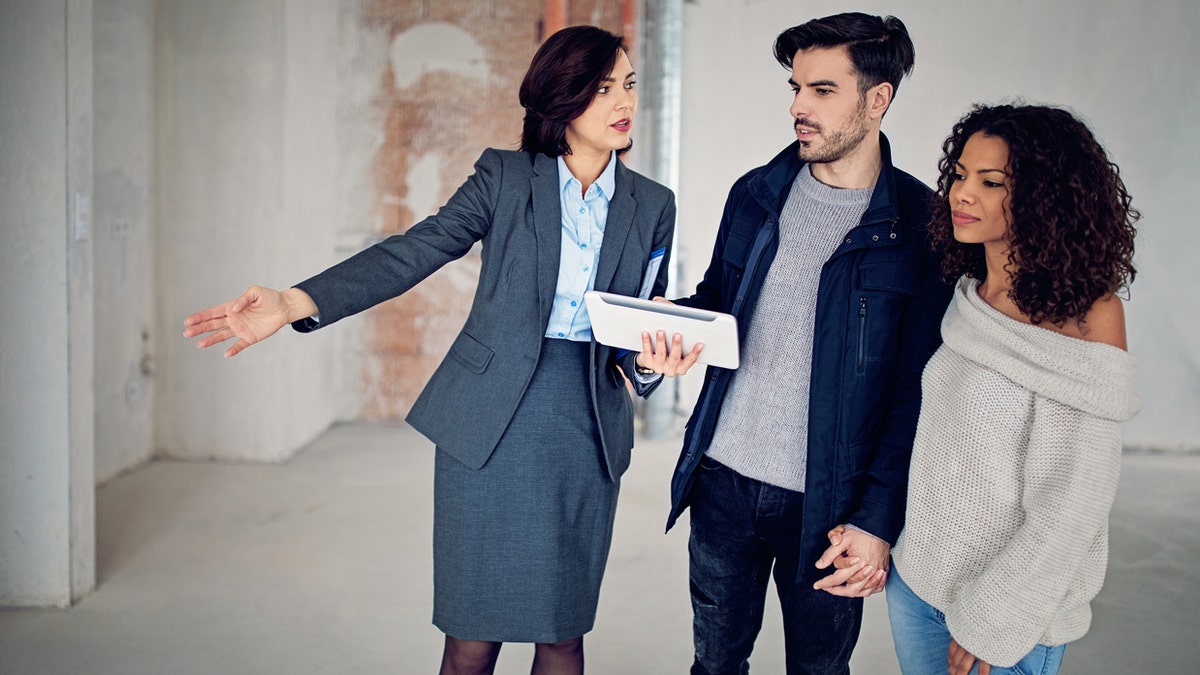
[888, 277]
[737, 248]
[471, 353]
[884, 290]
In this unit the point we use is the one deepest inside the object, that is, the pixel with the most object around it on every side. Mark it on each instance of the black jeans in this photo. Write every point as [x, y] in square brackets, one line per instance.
[741, 530]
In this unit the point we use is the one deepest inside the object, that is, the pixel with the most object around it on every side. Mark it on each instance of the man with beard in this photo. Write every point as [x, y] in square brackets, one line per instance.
[800, 457]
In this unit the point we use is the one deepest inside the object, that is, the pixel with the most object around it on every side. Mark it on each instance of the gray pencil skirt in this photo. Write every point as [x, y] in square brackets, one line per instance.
[519, 546]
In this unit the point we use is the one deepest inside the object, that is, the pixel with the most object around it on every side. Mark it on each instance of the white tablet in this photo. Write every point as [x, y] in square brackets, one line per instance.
[619, 320]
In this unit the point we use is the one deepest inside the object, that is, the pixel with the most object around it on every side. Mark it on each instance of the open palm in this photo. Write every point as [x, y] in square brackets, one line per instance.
[252, 317]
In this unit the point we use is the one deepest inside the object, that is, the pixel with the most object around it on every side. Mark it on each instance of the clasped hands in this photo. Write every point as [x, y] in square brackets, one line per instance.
[860, 561]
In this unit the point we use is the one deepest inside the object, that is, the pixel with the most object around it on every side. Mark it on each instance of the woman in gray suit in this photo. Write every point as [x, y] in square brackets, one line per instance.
[531, 418]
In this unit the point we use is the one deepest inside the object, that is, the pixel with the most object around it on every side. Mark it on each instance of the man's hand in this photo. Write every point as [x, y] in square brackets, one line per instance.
[959, 660]
[861, 562]
[667, 358]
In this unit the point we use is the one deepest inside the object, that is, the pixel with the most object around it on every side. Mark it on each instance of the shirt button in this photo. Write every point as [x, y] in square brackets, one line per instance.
[583, 246]
[585, 268]
[573, 303]
[582, 209]
[561, 335]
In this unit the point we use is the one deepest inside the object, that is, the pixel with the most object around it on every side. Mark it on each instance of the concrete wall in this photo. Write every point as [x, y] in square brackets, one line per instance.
[292, 135]
[1126, 68]
[47, 541]
[248, 163]
[124, 228]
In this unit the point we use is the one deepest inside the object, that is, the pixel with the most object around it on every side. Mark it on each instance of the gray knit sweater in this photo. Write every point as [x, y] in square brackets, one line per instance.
[763, 428]
[1014, 470]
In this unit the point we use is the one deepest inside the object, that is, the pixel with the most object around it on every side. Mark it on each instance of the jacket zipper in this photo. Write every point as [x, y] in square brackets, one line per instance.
[862, 333]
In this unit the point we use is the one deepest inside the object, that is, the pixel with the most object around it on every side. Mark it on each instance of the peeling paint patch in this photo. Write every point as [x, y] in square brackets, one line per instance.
[430, 47]
[424, 184]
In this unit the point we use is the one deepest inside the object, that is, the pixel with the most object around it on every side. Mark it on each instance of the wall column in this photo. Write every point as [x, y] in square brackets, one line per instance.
[47, 487]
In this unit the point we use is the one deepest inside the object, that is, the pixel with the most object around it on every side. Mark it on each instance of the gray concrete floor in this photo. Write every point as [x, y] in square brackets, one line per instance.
[322, 565]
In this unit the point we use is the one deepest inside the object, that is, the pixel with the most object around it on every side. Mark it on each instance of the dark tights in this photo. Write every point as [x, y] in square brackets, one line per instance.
[475, 657]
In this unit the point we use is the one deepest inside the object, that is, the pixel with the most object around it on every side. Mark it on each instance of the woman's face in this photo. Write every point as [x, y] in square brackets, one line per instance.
[607, 122]
[979, 193]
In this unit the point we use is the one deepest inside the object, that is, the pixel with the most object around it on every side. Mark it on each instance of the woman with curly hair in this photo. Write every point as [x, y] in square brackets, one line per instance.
[1018, 447]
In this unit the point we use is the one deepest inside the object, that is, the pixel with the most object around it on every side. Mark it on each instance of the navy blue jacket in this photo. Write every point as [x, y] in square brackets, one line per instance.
[879, 309]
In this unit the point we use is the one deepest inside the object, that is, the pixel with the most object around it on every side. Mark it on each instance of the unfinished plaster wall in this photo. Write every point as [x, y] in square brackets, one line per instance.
[247, 156]
[448, 90]
[290, 136]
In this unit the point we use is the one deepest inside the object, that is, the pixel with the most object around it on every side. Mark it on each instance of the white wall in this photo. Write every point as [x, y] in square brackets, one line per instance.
[1126, 68]
[247, 165]
[47, 542]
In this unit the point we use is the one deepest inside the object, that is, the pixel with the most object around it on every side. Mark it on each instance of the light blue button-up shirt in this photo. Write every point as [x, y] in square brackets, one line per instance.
[583, 220]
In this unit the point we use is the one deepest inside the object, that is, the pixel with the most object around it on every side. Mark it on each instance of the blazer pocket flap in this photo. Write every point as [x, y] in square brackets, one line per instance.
[471, 353]
[887, 277]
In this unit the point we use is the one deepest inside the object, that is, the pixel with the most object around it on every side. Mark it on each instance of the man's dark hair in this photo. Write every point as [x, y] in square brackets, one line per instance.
[879, 47]
[563, 78]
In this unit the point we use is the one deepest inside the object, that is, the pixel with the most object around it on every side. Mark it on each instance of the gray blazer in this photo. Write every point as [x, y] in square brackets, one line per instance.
[510, 204]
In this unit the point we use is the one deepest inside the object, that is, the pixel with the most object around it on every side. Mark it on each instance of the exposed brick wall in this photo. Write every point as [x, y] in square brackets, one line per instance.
[434, 127]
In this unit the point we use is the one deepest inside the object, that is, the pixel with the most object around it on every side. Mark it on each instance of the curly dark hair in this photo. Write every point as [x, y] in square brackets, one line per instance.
[1071, 229]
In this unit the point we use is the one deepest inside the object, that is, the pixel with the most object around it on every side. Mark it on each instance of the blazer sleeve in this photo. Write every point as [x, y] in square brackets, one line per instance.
[399, 262]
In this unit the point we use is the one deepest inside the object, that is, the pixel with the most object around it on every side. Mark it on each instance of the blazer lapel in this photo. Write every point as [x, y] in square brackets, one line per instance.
[621, 209]
[547, 226]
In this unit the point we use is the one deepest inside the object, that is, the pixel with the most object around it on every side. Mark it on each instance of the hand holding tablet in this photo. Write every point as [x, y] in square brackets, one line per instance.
[619, 321]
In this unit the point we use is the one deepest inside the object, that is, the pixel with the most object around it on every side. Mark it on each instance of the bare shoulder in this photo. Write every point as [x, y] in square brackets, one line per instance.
[1104, 322]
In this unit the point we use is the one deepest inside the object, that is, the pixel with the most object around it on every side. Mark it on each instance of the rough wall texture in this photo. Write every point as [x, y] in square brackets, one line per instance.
[449, 90]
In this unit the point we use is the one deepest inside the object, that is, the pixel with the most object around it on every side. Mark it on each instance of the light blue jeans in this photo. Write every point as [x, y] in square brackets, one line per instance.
[922, 639]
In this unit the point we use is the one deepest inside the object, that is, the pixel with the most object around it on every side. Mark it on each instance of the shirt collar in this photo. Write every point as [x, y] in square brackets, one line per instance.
[607, 182]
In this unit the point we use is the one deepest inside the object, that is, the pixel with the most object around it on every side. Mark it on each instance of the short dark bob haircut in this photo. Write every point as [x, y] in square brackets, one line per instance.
[1071, 220]
[563, 78]
[879, 47]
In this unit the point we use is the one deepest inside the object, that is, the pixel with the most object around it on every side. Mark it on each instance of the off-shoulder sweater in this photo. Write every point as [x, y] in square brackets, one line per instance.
[1014, 470]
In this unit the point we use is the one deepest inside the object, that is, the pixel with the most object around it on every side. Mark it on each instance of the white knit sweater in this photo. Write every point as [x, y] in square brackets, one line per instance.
[1014, 470]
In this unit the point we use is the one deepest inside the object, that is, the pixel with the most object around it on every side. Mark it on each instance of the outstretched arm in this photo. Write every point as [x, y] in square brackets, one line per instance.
[251, 317]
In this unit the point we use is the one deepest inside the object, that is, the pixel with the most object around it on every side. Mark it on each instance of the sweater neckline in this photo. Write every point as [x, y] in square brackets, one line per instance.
[1095, 377]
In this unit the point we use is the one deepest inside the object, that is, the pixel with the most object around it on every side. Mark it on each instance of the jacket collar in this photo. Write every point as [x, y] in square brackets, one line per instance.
[617, 228]
[771, 186]
[547, 225]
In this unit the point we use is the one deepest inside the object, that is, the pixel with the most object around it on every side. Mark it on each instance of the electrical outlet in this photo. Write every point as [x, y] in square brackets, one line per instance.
[121, 227]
